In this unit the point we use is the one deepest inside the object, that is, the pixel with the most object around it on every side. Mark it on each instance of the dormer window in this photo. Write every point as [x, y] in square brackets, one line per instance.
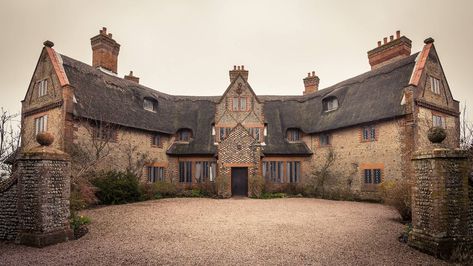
[42, 87]
[294, 134]
[330, 104]
[150, 104]
[184, 135]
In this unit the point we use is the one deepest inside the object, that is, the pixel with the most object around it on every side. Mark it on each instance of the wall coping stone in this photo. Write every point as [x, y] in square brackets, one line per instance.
[44, 153]
[440, 153]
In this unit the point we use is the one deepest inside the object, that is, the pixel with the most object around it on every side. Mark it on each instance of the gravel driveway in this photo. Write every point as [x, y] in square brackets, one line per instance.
[234, 231]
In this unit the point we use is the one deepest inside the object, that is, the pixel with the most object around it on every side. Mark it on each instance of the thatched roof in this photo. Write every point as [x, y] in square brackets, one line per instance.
[373, 96]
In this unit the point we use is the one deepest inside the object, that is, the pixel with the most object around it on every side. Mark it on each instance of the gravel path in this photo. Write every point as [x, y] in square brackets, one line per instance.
[235, 231]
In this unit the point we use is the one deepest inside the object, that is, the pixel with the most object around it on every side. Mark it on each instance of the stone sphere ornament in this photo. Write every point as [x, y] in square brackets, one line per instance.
[45, 138]
[436, 134]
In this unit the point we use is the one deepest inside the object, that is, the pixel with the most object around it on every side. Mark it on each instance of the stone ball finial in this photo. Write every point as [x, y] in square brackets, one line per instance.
[436, 134]
[45, 138]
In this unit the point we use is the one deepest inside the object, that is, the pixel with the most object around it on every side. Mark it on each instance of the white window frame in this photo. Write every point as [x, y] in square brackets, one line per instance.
[438, 121]
[155, 173]
[149, 105]
[40, 124]
[42, 87]
[435, 85]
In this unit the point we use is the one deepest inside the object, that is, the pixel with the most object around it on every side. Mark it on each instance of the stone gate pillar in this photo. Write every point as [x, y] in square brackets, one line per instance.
[43, 195]
[442, 206]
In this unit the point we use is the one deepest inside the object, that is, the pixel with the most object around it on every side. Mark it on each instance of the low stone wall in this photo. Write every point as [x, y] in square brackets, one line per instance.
[8, 209]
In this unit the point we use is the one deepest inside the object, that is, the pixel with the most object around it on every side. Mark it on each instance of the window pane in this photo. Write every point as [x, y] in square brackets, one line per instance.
[242, 104]
[373, 133]
[377, 176]
[368, 176]
[150, 173]
[257, 134]
[235, 104]
[198, 171]
[181, 172]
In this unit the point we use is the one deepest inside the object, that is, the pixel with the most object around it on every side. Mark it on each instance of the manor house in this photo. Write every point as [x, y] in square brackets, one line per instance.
[363, 129]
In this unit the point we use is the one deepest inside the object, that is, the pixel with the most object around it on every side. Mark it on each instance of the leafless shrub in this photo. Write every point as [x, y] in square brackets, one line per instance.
[397, 194]
[9, 141]
[319, 177]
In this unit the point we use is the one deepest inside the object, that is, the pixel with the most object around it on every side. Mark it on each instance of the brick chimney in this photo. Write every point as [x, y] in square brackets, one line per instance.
[238, 70]
[132, 78]
[105, 51]
[311, 83]
[389, 51]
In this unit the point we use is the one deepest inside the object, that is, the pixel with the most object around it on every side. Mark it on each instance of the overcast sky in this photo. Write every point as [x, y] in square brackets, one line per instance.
[187, 47]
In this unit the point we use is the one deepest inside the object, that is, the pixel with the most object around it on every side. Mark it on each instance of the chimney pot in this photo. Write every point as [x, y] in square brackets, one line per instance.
[110, 35]
[387, 53]
[238, 70]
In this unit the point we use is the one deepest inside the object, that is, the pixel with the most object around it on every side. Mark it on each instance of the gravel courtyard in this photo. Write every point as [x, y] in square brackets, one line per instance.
[291, 231]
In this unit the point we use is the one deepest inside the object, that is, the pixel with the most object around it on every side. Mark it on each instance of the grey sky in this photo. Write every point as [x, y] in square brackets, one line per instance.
[187, 47]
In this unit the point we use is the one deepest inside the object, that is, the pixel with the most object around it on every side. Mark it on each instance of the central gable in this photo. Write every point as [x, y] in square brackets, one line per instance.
[239, 104]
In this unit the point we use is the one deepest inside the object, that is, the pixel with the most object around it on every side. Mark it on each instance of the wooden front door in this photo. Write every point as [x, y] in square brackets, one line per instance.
[239, 181]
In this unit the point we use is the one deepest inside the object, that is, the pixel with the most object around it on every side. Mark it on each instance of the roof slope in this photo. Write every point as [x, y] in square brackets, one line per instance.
[372, 96]
[108, 98]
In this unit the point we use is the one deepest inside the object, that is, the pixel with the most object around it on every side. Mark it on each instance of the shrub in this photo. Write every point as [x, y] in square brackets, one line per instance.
[78, 225]
[208, 189]
[164, 189]
[148, 192]
[272, 195]
[222, 186]
[256, 186]
[82, 195]
[117, 188]
[397, 194]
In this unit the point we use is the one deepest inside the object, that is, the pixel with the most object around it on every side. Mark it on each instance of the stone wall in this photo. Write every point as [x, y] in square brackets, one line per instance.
[130, 148]
[43, 197]
[441, 202]
[8, 209]
[352, 156]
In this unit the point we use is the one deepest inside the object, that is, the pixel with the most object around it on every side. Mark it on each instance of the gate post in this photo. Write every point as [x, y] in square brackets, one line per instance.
[442, 206]
[43, 195]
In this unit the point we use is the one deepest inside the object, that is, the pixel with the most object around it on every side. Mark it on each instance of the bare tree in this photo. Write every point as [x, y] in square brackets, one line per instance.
[136, 160]
[466, 132]
[9, 141]
[88, 154]
[320, 176]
